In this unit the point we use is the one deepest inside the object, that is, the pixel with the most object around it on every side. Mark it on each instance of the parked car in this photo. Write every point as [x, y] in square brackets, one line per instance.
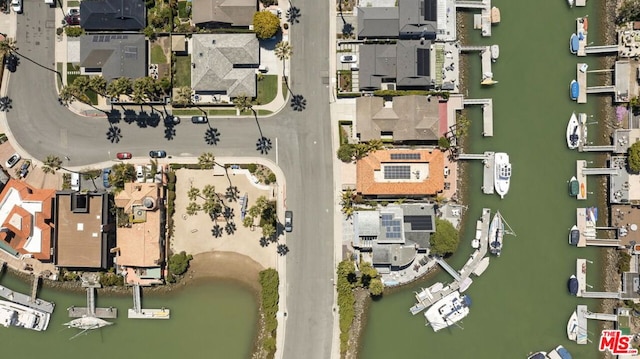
[24, 169]
[72, 20]
[16, 5]
[157, 154]
[11, 61]
[124, 155]
[199, 119]
[105, 177]
[75, 181]
[139, 174]
[13, 160]
[288, 221]
[348, 58]
[73, 12]
[171, 120]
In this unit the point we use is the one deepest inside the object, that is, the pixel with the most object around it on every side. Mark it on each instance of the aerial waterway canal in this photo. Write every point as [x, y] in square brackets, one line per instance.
[521, 303]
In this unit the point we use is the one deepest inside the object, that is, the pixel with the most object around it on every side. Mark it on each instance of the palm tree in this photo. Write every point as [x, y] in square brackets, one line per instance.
[193, 208]
[206, 160]
[98, 84]
[283, 52]
[67, 95]
[51, 164]
[183, 96]
[7, 46]
[243, 103]
[118, 87]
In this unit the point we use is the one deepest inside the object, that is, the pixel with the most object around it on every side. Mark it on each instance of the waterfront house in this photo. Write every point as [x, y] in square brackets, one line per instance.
[391, 236]
[140, 243]
[411, 19]
[113, 15]
[83, 234]
[224, 65]
[403, 65]
[407, 173]
[409, 120]
[223, 13]
[26, 219]
[114, 55]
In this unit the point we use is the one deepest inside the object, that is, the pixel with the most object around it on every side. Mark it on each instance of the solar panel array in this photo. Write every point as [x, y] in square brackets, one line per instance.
[392, 226]
[397, 172]
[419, 223]
[107, 38]
[405, 156]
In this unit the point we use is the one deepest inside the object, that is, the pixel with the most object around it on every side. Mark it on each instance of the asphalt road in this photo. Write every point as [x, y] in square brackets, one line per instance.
[43, 127]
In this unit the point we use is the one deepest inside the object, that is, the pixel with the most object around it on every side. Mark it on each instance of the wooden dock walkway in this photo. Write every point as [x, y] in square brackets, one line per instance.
[582, 43]
[582, 338]
[427, 298]
[582, 179]
[586, 227]
[30, 301]
[487, 113]
[90, 310]
[488, 162]
[138, 313]
[582, 84]
[581, 275]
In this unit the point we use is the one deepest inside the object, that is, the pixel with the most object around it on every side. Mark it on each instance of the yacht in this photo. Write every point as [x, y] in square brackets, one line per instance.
[496, 233]
[448, 310]
[17, 315]
[503, 173]
[573, 132]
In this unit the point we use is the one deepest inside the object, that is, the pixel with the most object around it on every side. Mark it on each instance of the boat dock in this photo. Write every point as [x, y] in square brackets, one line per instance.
[480, 21]
[488, 160]
[425, 298]
[602, 49]
[582, 42]
[581, 275]
[138, 313]
[581, 3]
[486, 56]
[581, 77]
[583, 315]
[30, 301]
[90, 310]
[582, 179]
[487, 113]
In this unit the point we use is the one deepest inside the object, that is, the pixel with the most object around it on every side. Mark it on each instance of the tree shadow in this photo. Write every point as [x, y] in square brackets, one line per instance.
[298, 103]
[114, 134]
[169, 133]
[263, 145]
[114, 116]
[130, 116]
[5, 104]
[153, 119]
[216, 231]
[212, 136]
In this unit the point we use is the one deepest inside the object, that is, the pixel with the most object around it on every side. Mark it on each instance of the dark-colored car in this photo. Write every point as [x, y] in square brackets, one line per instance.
[105, 177]
[124, 155]
[171, 120]
[24, 169]
[157, 154]
[72, 20]
[288, 221]
[199, 119]
[11, 61]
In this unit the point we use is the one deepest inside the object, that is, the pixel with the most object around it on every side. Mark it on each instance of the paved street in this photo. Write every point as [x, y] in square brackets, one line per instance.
[41, 126]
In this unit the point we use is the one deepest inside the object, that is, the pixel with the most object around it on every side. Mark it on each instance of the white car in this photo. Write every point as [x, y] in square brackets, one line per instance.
[75, 181]
[13, 160]
[139, 174]
[16, 5]
[348, 58]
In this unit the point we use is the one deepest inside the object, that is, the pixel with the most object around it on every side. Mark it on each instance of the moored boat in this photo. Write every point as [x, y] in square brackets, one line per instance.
[448, 310]
[87, 323]
[538, 355]
[573, 285]
[482, 266]
[574, 186]
[496, 234]
[574, 90]
[488, 82]
[495, 15]
[574, 43]
[559, 352]
[495, 52]
[20, 316]
[572, 327]
[573, 132]
[570, 3]
[574, 236]
[502, 177]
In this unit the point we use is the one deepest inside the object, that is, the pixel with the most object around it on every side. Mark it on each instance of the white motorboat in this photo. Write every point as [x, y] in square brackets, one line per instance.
[570, 3]
[482, 266]
[502, 176]
[448, 310]
[572, 327]
[573, 132]
[495, 52]
[429, 292]
[17, 315]
[496, 234]
[538, 355]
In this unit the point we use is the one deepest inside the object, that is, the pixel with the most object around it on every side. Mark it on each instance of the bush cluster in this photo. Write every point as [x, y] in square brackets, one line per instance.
[346, 300]
[179, 263]
[270, 297]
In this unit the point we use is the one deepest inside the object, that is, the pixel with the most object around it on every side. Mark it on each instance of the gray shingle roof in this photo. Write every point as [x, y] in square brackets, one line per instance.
[225, 63]
[107, 15]
[374, 22]
[227, 12]
[117, 55]
[407, 63]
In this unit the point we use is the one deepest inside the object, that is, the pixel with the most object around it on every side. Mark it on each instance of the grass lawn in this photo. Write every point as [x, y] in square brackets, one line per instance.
[157, 55]
[225, 112]
[182, 10]
[183, 71]
[72, 67]
[73, 3]
[187, 112]
[267, 89]
[285, 91]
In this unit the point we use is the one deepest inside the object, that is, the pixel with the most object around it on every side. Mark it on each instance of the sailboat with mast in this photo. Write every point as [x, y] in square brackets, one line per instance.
[86, 323]
[448, 311]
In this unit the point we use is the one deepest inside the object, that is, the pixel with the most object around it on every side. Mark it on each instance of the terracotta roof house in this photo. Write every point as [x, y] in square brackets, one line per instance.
[406, 64]
[395, 173]
[394, 234]
[140, 243]
[83, 236]
[110, 15]
[223, 13]
[405, 119]
[26, 220]
[225, 64]
[114, 55]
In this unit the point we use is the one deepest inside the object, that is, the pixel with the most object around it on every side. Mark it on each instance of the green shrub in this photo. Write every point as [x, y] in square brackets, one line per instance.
[73, 31]
[271, 177]
[346, 152]
[269, 282]
[179, 263]
[252, 167]
[624, 259]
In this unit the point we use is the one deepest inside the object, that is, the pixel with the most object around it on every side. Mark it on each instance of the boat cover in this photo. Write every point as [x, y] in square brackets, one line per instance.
[573, 285]
[574, 43]
[564, 353]
[575, 236]
[575, 90]
[574, 188]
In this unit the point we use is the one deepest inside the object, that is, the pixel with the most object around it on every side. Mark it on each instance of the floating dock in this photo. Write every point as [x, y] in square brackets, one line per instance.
[582, 83]
[581, 275]
[426, 298]
[138, 313]
[488, 161]
[483, 20]
[582, 179]
[487, 59]
[582, 41]
[487, 113]
[30, 301]
[90, 310]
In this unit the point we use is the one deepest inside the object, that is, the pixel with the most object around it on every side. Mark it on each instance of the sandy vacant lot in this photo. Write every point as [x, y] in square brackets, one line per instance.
[192, 234]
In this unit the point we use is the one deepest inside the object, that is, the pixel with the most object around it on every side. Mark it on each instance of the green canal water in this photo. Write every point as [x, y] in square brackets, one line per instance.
[209, 319]
[521, 303]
